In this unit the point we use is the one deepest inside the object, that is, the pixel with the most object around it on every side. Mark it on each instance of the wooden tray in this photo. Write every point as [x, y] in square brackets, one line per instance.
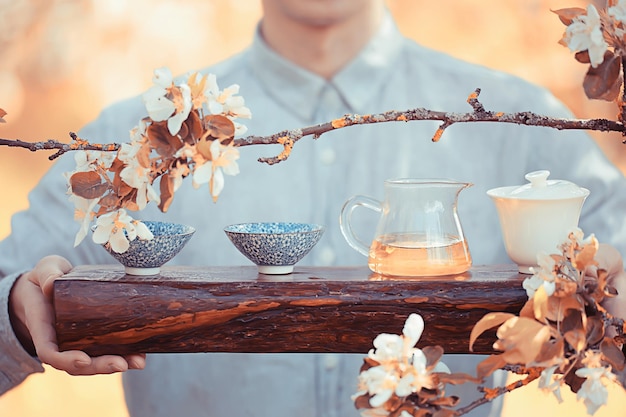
[100, 309]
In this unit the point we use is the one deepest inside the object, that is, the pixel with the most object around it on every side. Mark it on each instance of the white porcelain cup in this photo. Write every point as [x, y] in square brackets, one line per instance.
[537, 217]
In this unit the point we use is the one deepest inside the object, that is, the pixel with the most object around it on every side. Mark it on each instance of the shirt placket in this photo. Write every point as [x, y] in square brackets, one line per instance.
[330, 106]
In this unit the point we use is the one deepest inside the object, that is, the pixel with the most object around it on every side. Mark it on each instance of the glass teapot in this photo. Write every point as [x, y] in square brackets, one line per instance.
[418, 232]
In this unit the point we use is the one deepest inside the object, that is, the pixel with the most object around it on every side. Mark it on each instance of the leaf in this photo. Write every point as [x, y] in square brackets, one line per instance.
[595, 330]
[194, 130]
[204, 148]
[558, 306]
[457, 378]
[551, 353]
[582, 57]
[2, 114]
[603, 82]
[585, 257]
[433, 354]
[167, 192]
[540, 304]
[220, 127]
[489, 365]
[88, 185]
[488, 321]
[567, 15]
[612, 353]
[576, 339]
[143, 155]
[521, 339]
[162, 141]
[572, 320]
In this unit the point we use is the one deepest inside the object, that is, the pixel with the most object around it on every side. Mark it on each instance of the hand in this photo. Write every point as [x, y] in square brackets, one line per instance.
[32, 317]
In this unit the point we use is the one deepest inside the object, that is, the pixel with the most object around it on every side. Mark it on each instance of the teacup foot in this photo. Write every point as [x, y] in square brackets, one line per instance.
[141, 271]
[275, 269]
[526, 269]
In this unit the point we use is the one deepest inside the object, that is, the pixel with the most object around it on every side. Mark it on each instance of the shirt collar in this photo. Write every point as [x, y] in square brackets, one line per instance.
[297, 89]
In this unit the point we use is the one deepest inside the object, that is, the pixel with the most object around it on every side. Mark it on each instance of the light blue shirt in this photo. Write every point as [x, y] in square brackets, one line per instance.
[391, 73]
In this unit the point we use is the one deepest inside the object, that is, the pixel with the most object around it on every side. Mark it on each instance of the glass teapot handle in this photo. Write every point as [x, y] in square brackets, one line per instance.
[346, 217]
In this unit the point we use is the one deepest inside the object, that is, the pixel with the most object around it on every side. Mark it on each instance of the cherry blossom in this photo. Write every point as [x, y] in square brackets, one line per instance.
[167, 101]
[585, 34]
[118, 229]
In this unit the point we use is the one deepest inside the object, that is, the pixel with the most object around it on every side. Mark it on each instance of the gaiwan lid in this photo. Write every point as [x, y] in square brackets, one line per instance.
[540, 188]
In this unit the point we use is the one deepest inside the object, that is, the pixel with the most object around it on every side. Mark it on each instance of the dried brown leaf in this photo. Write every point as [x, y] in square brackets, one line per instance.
[444, 412]
[576, 339]
[162, 141]
[194, 129]
[582, 57]
[604, 81]
[143, 155]
[551, 352]
[585, 258]
[488, 321]
[433, 355]
[567, 15]
[612, 353]
[521, 339]
[88, 185]
[489, 365]
[220, 127]
[457, 378]
[572, 320]
[540, 304]
[595, 330]
[167, 192]
[557, 306]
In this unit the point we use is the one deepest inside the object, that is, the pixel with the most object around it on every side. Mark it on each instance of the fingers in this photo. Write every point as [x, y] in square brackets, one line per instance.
[75, 362]
[31, 298]
[47, 270]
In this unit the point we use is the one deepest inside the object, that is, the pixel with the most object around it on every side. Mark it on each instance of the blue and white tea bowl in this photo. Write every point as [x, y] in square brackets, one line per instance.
[274, 247]
[145, 257]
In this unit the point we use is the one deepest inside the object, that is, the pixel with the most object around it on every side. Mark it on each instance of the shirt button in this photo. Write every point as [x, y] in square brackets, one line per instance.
[327, 156]
[331, 361]
[325, 256]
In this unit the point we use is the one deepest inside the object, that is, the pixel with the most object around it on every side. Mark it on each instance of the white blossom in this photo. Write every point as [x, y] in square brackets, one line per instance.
[585, 34]
[117, 229]
[167, 101]
[223, 162]
[593, 391]
[618, 11]
[84, 214]
[549, 383]
[544, 276]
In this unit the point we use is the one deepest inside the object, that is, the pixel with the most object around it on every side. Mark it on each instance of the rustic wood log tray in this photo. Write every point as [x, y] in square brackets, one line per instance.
[101, 310]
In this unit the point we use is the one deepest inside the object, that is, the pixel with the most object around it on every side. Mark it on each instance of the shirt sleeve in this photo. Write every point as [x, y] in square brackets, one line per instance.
[47, 228]
[15, 362]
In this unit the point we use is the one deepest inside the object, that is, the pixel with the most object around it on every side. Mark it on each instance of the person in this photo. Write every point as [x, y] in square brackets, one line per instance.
[309, 62]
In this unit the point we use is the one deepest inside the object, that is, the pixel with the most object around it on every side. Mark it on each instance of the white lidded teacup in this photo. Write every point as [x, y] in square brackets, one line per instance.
[537, 217]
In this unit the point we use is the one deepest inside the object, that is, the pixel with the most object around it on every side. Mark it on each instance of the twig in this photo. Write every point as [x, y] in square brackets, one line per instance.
[50, 144]
[492, 393]
[288, 138]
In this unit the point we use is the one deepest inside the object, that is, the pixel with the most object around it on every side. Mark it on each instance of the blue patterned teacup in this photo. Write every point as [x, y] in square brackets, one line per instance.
[145, 257]
[274, 247]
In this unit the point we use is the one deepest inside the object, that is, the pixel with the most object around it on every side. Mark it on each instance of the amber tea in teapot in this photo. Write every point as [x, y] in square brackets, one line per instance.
[418, 233]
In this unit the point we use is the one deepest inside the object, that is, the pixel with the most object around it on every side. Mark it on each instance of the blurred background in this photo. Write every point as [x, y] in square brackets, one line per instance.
[62, 61]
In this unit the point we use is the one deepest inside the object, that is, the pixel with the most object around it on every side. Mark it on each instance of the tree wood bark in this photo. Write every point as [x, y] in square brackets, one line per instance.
[101, 310]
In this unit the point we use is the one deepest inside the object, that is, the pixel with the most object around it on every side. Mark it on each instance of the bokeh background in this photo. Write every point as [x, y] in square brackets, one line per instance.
[62, 61]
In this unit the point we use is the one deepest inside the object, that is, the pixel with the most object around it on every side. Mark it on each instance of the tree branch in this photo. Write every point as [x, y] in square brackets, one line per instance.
[492, 393]
[288, 138]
